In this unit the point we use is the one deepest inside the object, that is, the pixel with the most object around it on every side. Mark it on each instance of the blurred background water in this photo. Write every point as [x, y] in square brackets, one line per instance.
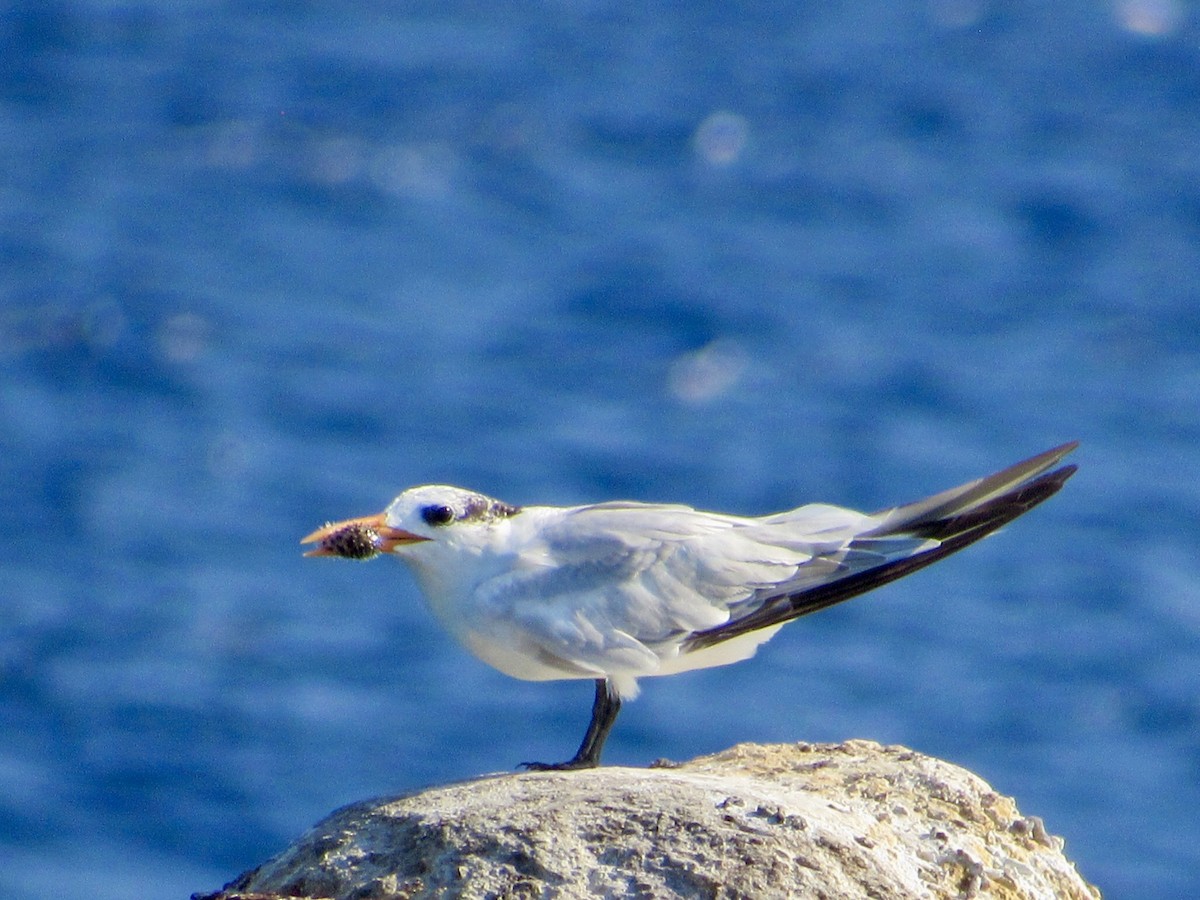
[266, 264]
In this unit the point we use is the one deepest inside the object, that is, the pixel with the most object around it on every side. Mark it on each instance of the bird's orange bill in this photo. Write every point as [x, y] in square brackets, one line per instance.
[383, 537]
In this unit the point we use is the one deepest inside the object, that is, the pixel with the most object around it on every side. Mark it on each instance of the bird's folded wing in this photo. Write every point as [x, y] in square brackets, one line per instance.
[623, 585]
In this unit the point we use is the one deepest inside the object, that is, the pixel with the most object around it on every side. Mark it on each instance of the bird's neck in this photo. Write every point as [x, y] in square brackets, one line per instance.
[449, 576]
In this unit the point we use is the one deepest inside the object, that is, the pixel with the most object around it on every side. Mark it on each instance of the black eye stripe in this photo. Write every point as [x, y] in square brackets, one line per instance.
[437, 514]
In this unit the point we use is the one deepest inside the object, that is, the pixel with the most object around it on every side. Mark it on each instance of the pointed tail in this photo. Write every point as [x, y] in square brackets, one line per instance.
[955, 518]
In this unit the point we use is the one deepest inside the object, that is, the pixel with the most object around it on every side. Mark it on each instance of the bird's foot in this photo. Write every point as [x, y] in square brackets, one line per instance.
[568, 766]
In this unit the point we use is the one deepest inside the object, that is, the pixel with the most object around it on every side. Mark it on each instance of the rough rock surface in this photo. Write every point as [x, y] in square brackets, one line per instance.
[852, 820]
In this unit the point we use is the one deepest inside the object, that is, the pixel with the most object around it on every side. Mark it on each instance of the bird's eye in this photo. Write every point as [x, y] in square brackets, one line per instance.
[437, 514]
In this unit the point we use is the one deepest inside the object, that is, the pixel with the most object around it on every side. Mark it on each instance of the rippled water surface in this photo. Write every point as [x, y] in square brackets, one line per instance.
[266, 264]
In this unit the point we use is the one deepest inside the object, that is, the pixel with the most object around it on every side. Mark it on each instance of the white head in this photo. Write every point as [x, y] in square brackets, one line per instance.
[435, 513]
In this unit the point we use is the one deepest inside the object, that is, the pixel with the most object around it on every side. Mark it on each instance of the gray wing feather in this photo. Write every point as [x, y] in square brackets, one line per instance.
[625, 583]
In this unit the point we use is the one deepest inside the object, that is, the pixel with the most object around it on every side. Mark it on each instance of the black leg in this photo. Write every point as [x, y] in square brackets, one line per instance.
[604, 713]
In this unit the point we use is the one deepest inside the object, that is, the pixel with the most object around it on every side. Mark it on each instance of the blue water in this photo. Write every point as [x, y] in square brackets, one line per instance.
[267, 264]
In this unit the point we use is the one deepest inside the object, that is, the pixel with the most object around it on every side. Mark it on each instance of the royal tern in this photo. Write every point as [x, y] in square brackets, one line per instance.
[620, 590]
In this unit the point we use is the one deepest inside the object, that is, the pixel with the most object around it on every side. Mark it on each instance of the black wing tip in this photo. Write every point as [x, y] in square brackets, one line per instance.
[1058, 452]
[955, 533]
[1063, 473]
[999, 511]
[1040, 462]
[1043, 486]
[1053, 479]
[1054, 454]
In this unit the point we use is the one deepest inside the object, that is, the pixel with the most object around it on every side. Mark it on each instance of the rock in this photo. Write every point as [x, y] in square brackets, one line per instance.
[852, 820]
